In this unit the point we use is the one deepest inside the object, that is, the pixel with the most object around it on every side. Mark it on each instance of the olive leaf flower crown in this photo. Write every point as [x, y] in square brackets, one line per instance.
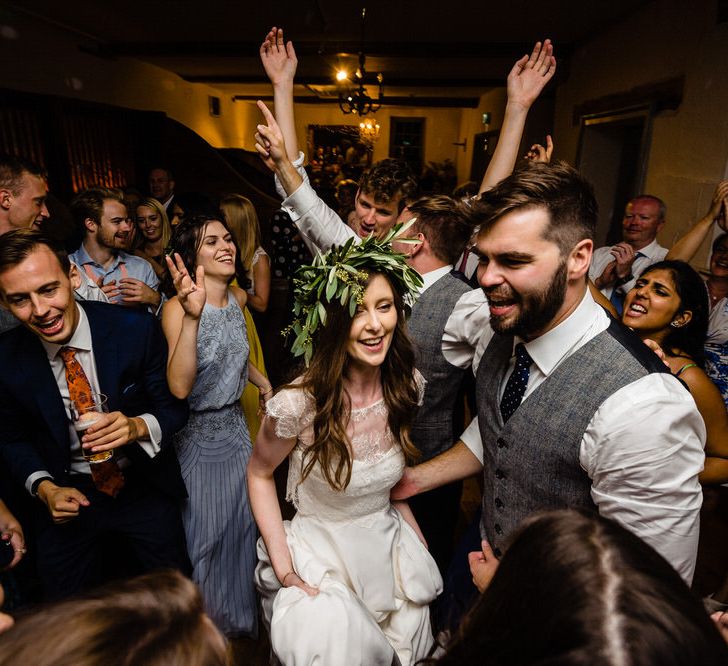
[341, 275]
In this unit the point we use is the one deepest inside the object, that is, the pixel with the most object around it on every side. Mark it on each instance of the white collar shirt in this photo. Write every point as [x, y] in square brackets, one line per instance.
[642, 450]
[82, 342]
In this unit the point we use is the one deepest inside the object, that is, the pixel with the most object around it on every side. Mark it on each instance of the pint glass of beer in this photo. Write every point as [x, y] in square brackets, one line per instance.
[83, 418]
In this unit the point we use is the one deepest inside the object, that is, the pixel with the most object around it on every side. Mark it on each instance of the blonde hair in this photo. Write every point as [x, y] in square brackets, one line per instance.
[159, 209]
[243, 221]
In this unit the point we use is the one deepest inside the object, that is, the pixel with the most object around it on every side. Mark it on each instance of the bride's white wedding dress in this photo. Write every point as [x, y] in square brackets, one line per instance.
[375, 577]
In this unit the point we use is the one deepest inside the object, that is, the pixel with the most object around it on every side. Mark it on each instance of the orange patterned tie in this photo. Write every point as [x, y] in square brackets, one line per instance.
[106, 475]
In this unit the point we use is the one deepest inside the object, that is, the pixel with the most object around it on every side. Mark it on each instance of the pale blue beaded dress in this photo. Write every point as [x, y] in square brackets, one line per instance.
[213, 451]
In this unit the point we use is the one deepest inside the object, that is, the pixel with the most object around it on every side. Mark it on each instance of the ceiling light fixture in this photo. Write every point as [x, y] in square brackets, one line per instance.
[356, 100]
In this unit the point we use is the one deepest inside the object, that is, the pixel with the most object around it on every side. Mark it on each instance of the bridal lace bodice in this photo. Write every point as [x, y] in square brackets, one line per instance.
[377, 459]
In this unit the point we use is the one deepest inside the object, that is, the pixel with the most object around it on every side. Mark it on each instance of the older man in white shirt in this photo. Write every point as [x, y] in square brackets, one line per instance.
[615, 269]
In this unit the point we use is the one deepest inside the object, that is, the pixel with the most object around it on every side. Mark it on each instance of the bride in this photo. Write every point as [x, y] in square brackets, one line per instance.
[349, 579]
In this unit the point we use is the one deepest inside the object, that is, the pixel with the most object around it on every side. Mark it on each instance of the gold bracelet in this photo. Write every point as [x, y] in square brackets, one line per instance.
[283, 582]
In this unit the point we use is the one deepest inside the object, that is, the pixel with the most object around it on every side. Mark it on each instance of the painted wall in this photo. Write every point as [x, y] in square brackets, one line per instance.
[43, 59]
[493, 102]
[689, 147]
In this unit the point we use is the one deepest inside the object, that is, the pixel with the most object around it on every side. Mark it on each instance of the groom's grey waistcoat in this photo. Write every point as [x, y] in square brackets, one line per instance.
[532, 463]
[432, 430]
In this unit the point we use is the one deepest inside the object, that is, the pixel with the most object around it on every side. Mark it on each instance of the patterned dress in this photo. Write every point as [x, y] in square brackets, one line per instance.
[213, 451]
[716, 347]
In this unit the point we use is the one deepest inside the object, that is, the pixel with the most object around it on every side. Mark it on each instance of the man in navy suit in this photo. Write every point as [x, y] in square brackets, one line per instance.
[123, 355]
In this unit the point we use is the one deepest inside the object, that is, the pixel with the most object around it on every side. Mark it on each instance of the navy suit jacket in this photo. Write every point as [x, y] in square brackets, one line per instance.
[131, 359]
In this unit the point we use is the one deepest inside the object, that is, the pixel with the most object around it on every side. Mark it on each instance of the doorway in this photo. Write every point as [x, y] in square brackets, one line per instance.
[612, 154]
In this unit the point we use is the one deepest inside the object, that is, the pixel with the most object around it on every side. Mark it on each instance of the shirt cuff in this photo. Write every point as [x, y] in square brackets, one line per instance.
[152, 444]
[300, 201]
[158, 311]
[34, 477]
[298, 166]
[471, 439]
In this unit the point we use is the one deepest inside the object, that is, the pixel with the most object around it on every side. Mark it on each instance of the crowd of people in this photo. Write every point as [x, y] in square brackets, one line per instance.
[140, 435]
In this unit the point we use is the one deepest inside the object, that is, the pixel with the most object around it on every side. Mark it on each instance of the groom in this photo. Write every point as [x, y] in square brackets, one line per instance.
[63, 351]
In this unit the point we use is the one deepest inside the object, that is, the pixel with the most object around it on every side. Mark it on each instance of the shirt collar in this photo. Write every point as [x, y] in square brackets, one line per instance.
[80, 340]
[429, 278]
[650, 250]
[549, 349]
[83, 257]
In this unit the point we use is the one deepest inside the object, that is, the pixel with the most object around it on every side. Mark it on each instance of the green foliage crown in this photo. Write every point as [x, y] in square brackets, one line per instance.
[340, 276]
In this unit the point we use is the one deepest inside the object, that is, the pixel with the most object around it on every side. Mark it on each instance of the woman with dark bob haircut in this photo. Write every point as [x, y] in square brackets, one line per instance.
[575, 589]
[153, 620]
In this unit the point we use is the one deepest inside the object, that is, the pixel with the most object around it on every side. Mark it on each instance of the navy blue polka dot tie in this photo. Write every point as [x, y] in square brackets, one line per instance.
[517, 382]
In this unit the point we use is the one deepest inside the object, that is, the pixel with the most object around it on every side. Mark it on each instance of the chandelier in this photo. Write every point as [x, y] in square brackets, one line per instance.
[368, 132]
[356, 99]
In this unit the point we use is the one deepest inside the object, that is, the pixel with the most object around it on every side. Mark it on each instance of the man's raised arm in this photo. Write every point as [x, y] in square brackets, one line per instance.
[280, 63]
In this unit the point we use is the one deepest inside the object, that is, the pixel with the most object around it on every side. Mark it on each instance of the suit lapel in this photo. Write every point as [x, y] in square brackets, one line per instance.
[38, 384]
[106, 355]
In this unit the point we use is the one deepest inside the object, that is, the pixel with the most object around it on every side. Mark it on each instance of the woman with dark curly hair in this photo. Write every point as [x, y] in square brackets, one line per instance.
[349, 579]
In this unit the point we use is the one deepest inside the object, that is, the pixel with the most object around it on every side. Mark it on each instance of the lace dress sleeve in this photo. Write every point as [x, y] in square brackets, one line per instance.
[288, 408]
[421, 384]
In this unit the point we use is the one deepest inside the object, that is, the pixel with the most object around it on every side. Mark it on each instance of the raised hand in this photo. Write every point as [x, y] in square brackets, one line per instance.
[269, 140]
[191, 294]
[538, 153]
[719, 204]
[530, 74]
[279, 59]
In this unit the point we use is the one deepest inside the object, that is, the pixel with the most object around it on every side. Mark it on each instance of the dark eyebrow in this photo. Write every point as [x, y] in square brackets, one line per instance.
[48, 285]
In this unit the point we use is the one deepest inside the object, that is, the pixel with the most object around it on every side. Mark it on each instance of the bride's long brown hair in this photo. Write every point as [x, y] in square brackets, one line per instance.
[324, 380]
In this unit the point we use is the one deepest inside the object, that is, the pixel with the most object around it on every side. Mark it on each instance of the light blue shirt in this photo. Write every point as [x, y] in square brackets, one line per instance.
[124, 265]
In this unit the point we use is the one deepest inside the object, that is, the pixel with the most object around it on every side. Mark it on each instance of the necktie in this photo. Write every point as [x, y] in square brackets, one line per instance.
[517, 382]
[106, 475]
[617, 297]
[464, 262]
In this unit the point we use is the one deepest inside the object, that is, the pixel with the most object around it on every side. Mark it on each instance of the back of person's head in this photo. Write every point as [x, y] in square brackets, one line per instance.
[195, 203]
[89, 204]
[12, 169]
[690, 287]
[154, 620]
[446, 223]
[243, 221]
[388, 180]
[576, 589]
[558, 188]
[465, 190]
[18, 244]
